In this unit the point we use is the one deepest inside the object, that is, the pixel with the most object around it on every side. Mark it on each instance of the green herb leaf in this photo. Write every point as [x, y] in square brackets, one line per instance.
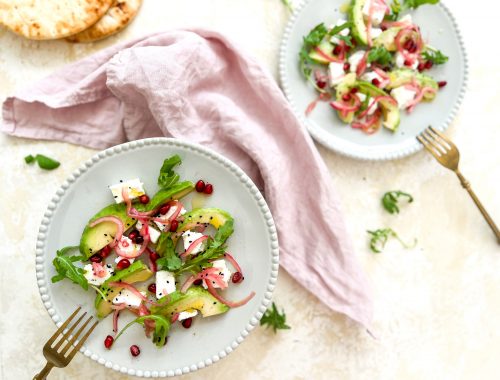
[414, 4]
[63, 263]
[165, 248]
[274, 319]
[46, 163]
[310, 41]
[162, 328]
[168, 177]
[390, 200]
[346, 39]
[434, 56]
[337, 29]
[380, 55]
[29, 159]
[380, 237]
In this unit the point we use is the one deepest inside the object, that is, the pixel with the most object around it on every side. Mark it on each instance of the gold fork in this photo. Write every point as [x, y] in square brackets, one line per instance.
[447, 154]
[60, 359]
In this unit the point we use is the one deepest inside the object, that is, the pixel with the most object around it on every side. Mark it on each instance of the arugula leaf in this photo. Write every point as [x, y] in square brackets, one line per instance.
[310, 41]
[168, 177]
[435, 56]
[162, 327]
[29, 159]
[337, 29]
[414, 4]
[380, 55]
[390, 200]
[397, 7]
[63, 263]
[273, 318]
[165, 248]
[380, 237]
[346, 39]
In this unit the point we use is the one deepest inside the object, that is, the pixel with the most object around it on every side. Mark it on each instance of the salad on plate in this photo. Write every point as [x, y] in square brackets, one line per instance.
[372, 65]
[151, 257]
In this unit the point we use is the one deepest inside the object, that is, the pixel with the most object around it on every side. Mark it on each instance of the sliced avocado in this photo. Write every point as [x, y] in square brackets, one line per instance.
[327, 49]
[343, 88]
[95, 238]
[195, 298]
[387, 39]
[358, 22]
[214, 216]
[137, 272]
[390, 110]
[404, 76]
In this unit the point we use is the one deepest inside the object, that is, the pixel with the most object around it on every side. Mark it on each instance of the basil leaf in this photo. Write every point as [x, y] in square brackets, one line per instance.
[46, 163]
[63, 264]
[168, 177]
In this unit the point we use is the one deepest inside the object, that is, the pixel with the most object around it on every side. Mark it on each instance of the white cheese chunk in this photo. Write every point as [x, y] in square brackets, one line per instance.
[189, 237]
[370, 76]
[166, 216]
[336, 73]
[403, 96]
[187, 314]
[355, 59]
[128, 298]
[165, 283]
[375, 32]
[400, 61]
[407, 19]
[118, 258]
[378, 12]
[133, 187]
[361, 96]
[154, 234]
[223, 271]
[127, 246]
[93, 279]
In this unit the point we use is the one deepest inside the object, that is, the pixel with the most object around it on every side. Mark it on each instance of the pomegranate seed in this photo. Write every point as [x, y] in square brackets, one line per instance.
[187, 323]
[413, 47]
[442, 83]
[346, 97]
[197, 282]
[428, 65]
[200, 186]
[354, 90]
[237, 277]
[407, 44]
[133, 234]
[174, 225]
[144, 199]
[408, 62]
[108, 342]
[337, 50]
[123, 264]
[421, 67]
[383, 27]
[320, 84]
[375, 82]
[105, 251]
[97, 258]
[153, 256]
[152, 288]
[209, 189]
[164, 209]
[139, 239]
[135, 350]
[347, 66]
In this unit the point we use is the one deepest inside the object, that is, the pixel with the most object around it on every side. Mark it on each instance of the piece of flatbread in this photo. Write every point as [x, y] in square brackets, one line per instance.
[116, 18]
[51, 19]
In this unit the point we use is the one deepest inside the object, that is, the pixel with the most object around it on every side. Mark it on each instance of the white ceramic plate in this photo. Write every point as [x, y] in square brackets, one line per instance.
[438, 27]
[254, 244]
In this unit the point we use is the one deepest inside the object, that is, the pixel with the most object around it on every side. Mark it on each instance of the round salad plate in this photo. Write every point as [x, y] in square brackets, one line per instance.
[438, 28]
[254, 244]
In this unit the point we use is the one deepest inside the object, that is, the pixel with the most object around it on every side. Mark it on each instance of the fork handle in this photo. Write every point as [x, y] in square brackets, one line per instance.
[44, 372]
[466, 186]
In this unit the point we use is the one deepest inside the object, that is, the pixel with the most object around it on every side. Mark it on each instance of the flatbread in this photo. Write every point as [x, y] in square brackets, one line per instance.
[116, 18]
[51, 19]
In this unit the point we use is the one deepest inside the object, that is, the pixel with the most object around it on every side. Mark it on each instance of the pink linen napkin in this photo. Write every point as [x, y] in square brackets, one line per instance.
[197, 86]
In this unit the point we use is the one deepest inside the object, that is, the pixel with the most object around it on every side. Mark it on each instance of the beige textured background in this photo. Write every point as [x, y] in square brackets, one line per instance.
[437, 306]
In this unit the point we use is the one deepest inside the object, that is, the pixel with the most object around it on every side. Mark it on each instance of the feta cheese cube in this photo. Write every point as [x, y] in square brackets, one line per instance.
[355, 59]
[166, 216]
[189, 237]
[189, 313]
[378, 12]
[127, 246]
[154, 234]
[344, 32]
[375, 32]
[370, 76]
[400, 61]
[128, 298]
[407, 19]
[335, 73]
[133, 187]
[403, 96]
[93, 279]
[165, 283]
[361, 96]
[223, 271]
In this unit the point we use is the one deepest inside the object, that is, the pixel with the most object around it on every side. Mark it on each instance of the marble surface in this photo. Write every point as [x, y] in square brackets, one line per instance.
[436, 305]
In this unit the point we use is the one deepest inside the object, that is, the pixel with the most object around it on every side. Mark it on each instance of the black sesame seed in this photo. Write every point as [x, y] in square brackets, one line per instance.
[121, 180]
[116, 196]
[105, 234]
[215, 303]
[211, 217]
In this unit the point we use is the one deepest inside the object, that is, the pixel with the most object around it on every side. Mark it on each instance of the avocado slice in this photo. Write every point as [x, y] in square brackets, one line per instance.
[195, 298]
[359, 30]
[137, 272]
[214, 216]
[327, 48]
[390, 111]
[95, 238]
[387, 39]
[343, 88]
[403, 76]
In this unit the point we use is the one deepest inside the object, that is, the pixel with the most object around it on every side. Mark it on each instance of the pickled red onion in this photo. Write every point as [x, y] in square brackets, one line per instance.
[214, 293]
[112, 219]
[192, 246]
[133, 290]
